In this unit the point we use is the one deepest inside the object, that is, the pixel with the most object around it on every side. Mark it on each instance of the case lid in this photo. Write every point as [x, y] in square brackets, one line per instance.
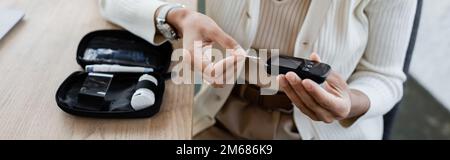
[150, 56]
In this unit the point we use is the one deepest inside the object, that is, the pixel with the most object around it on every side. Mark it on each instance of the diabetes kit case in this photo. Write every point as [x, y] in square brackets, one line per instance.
[114, 90]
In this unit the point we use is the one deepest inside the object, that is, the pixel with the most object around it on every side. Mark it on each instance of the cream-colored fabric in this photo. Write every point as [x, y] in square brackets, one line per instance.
[364, 40]
[240, 120]
[279, 23]
[137, 16]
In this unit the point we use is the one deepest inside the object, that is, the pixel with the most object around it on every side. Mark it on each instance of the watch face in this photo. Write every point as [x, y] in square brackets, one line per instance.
[166, 31]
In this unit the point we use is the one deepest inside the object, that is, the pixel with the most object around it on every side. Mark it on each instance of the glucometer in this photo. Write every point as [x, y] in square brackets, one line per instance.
[305, 69]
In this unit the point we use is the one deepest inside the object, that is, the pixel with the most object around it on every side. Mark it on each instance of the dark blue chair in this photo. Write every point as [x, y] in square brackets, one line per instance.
[390, 116]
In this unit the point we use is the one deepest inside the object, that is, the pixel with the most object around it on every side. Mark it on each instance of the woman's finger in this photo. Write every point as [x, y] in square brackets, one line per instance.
[298, 88]
[225, 72]
[335, 81]
[284, 84]
[315, 57]
[194, 53]
[318, 94]
[223, 39]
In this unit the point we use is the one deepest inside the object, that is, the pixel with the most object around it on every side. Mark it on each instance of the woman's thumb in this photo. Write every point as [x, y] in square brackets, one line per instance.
[315, 57]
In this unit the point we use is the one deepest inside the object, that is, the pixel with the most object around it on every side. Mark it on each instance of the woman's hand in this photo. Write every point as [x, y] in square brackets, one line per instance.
[336, 101]
[196, 27]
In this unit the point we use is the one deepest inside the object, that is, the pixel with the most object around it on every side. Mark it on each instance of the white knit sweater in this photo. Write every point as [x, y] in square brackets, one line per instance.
[279, 23]
[364, 40]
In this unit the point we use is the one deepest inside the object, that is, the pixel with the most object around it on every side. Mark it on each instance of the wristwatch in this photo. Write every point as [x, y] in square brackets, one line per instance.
[161, 23]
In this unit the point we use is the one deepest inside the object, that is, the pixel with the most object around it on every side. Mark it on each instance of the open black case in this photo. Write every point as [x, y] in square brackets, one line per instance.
[123, 85]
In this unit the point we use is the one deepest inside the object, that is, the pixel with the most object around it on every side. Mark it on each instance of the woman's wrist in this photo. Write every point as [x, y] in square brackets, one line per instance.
[176, 17]
[360, 104]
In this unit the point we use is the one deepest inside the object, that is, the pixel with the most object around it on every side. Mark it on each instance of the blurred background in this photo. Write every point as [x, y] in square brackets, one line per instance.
[424, 113]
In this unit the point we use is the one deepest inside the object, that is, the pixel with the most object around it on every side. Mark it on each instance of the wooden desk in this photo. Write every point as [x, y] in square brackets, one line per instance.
[39, 54]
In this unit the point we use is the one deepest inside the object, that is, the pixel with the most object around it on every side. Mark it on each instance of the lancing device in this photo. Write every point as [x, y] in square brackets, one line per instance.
[105, 68]
[252, 57]
[144, 97]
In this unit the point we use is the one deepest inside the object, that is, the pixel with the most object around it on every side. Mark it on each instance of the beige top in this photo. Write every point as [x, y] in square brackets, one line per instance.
[280, 22]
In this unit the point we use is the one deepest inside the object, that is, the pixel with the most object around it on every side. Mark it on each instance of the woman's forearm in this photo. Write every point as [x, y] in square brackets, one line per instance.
[360, 104]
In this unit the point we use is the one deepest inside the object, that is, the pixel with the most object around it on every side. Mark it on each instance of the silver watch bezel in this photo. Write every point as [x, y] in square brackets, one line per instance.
[161, 23]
